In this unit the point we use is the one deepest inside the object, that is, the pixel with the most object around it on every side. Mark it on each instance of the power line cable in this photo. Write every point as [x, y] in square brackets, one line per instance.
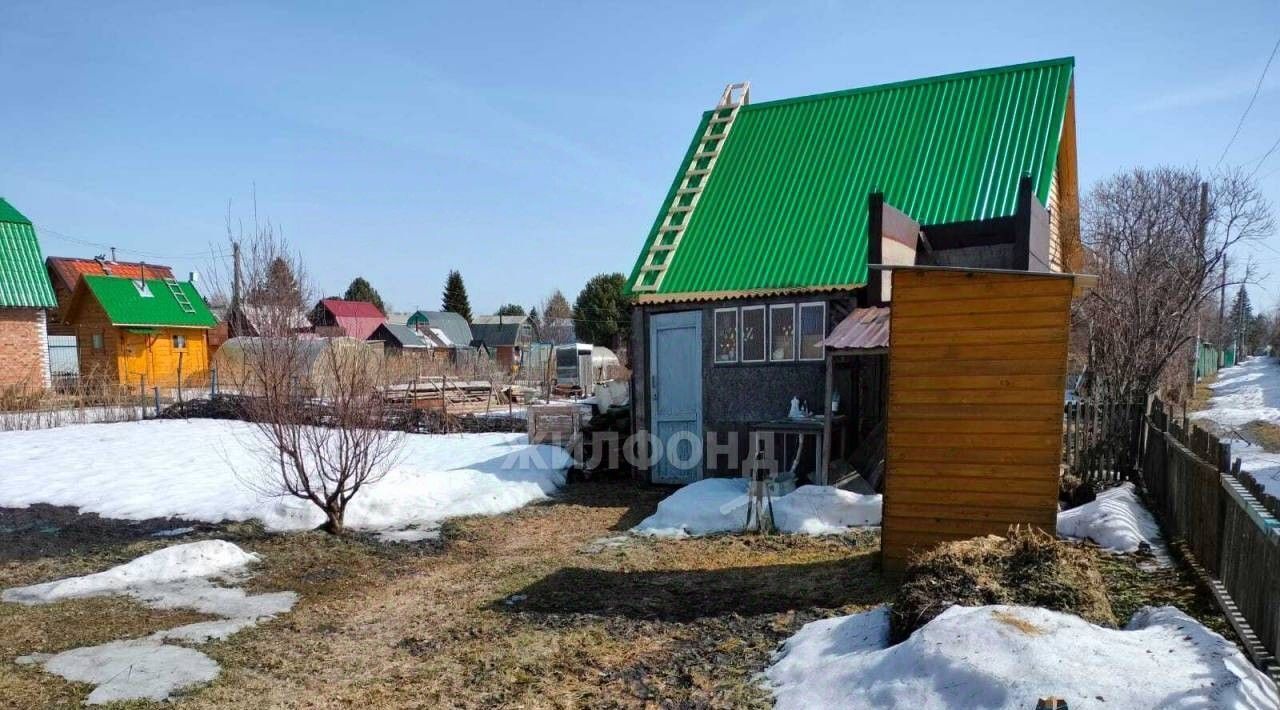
[148, 254]
[1256, 90]
[1263, 159]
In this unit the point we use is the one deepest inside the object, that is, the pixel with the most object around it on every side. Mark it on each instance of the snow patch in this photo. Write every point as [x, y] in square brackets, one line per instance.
[130, 670]
[1263, 464]
[176, 577]
[716, 505]
[205, 470]
[1009, 657]
[427, 532]
[1247, 393]
[173, 532]
[1117, 521]
[206, 558]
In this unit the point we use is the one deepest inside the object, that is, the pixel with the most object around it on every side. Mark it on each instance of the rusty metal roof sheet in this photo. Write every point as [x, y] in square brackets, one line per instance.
[863, 329]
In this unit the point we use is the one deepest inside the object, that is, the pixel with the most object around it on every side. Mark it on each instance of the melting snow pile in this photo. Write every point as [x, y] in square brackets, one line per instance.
[1248, 393]
[208, 471]
[172, 564]
[1010, 657]
[716, 505]
[1116, 521]
[176, 577]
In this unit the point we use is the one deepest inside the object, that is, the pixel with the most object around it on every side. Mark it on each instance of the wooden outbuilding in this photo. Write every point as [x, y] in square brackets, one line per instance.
[977, 367]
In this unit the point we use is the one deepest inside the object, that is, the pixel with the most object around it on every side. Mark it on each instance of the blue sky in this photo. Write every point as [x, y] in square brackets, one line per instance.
[529, 145]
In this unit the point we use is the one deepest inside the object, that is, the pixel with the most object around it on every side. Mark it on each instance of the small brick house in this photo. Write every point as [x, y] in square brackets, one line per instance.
[25, 298]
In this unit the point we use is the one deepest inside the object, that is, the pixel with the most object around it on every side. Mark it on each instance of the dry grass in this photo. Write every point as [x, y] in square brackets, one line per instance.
[1200, 398]
[1264, 434]
[1132, 583]
[1017, 622]
[519, 610]
[1027, 567]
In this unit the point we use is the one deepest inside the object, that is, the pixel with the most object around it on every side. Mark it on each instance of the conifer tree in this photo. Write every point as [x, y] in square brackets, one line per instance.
[455, 296]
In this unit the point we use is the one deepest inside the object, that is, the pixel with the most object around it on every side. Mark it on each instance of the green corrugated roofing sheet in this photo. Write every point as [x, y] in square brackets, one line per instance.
[125, 307]
[24, 283]
[785, 205]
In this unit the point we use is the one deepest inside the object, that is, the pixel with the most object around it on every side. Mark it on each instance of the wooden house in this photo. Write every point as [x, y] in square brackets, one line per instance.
[777, 228]
[399, 339]
[335, 317]
[450, 336]
[26, 298]
[65, 273]
[140, 331]
[507, 338]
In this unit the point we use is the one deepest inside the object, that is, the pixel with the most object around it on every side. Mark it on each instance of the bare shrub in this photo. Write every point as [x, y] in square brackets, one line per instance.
[318, 404]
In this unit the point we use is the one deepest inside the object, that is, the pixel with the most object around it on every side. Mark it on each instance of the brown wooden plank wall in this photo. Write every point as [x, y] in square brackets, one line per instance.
[977, 366]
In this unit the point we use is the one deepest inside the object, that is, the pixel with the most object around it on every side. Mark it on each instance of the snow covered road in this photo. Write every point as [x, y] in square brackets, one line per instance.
[1247, 393]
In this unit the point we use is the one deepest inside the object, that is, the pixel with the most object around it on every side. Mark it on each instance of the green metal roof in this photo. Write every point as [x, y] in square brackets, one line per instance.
[785, 206]
[24, 283]
[126, 307]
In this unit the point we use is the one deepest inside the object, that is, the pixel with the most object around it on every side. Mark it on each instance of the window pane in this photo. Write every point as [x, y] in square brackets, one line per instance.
[782, 333]
[812, 327]
[752, 334]
[727, 336]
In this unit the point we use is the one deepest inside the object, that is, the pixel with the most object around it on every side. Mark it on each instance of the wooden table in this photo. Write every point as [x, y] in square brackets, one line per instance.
[813, 426]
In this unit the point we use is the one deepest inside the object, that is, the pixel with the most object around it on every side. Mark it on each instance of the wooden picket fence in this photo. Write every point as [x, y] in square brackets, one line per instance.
[1227, 533]
[1101, 440]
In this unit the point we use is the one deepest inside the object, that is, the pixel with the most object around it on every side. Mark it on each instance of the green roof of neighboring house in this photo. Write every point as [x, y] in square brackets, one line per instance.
[125, 306]
[24, 282]
[785, 204]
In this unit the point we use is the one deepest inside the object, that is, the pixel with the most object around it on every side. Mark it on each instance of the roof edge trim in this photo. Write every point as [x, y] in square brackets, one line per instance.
[694, 296]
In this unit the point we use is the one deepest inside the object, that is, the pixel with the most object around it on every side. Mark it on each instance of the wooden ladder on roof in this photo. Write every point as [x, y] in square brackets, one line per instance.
[180, 296]
[694, 180]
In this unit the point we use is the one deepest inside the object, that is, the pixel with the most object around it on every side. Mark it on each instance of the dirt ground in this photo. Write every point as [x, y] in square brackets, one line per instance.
[549, 606]
[537, 608]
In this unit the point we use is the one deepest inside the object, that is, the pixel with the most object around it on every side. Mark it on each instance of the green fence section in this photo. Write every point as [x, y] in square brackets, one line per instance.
[1207, 360]
[1229, 357]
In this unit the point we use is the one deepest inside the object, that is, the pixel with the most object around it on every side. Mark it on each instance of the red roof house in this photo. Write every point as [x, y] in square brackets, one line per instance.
[354, 319]
[65, 273]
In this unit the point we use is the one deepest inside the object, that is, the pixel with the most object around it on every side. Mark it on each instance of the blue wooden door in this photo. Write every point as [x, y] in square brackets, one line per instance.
[675, 395]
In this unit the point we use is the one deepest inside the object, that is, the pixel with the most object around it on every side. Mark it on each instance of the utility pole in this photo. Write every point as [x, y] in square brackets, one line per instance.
[1222, 311]
[1204, 233]
[235, 274]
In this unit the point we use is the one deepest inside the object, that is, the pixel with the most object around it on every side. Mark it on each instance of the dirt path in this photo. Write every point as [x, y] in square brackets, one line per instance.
[544, 607]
